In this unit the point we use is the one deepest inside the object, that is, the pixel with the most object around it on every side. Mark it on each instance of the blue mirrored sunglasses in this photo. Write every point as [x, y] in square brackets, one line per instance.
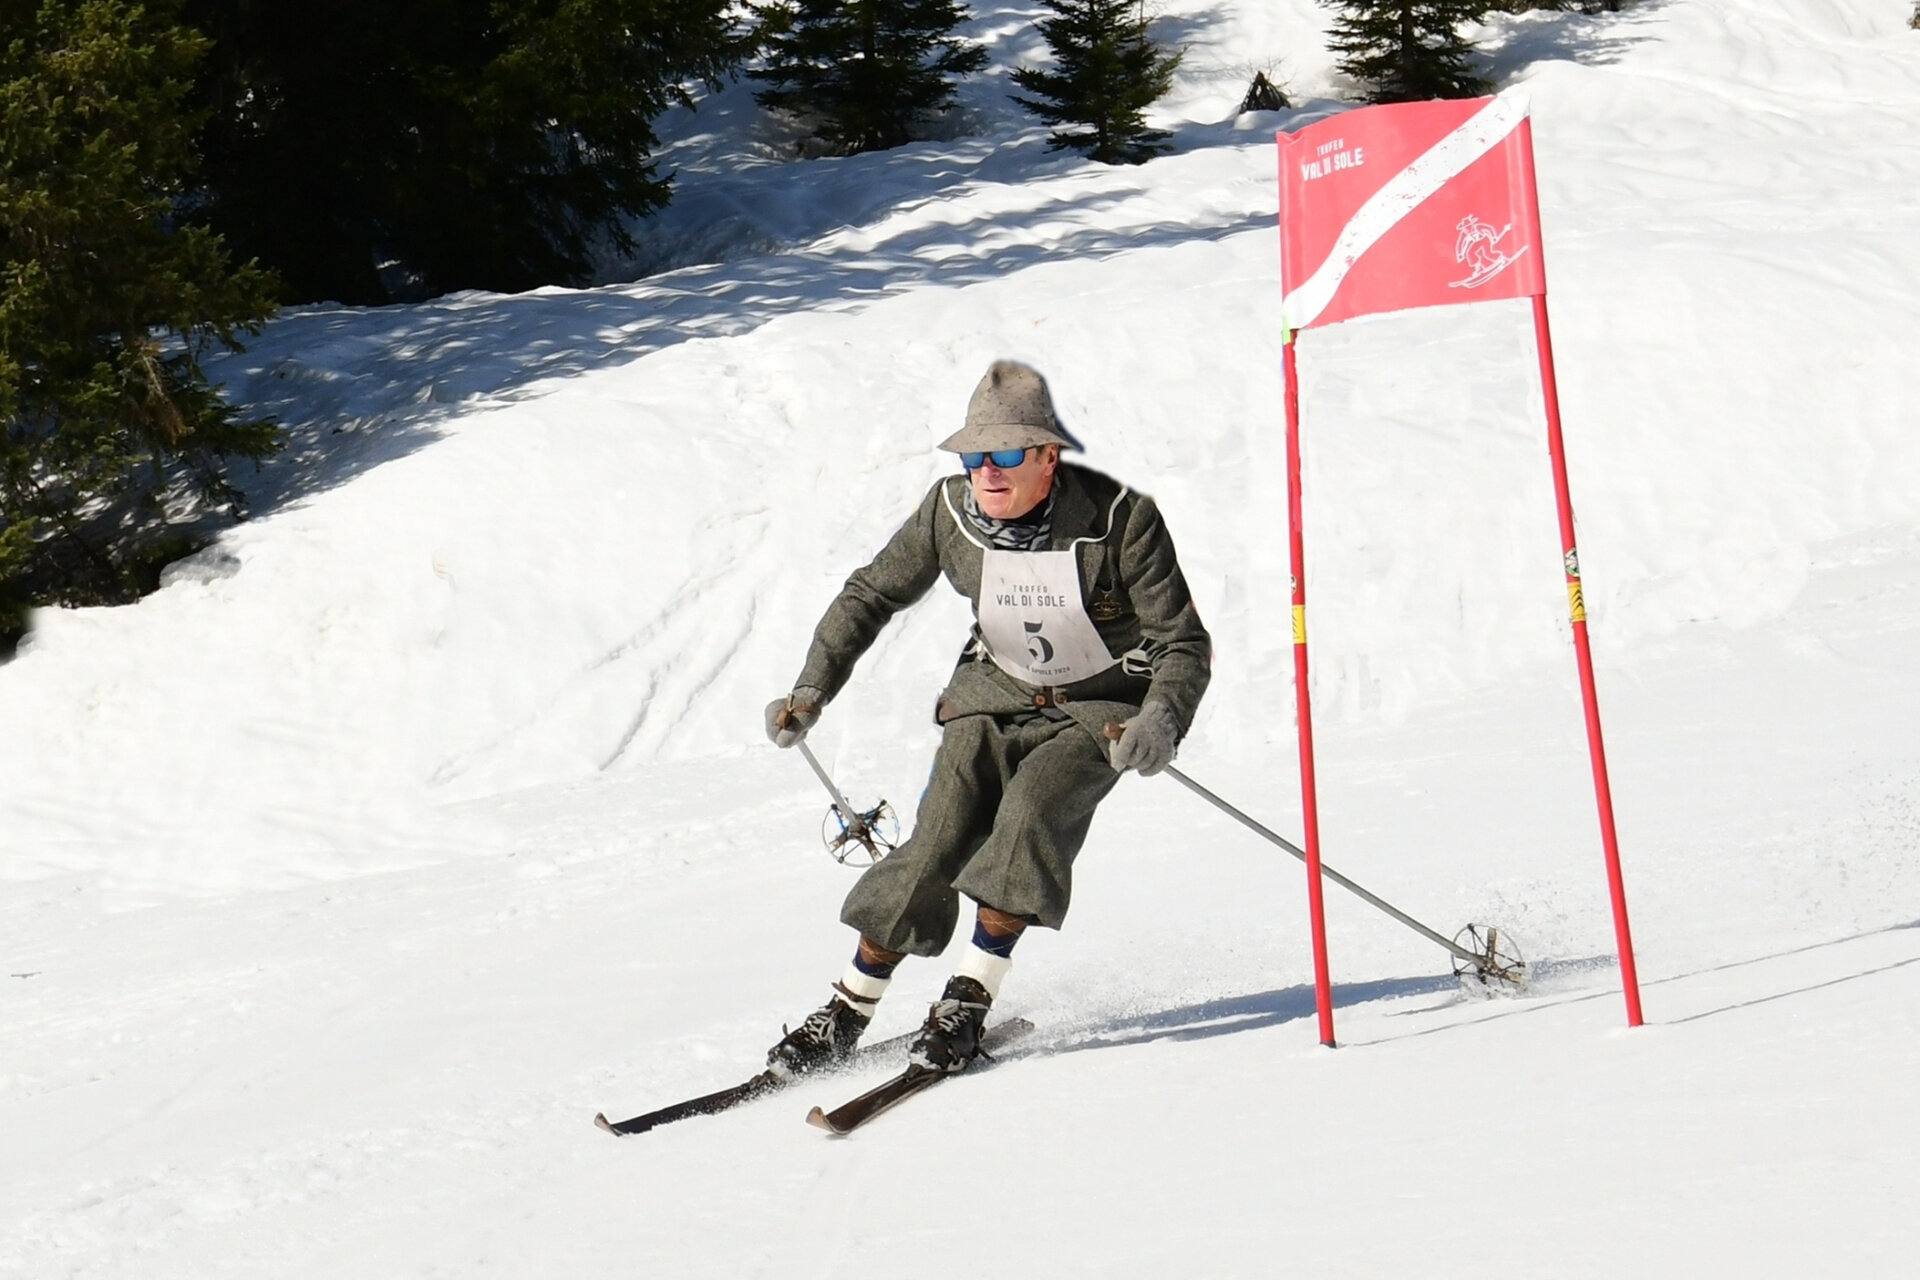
[1005, 459]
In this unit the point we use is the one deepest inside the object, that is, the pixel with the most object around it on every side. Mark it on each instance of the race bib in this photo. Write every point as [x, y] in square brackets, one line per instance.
[1034, 621]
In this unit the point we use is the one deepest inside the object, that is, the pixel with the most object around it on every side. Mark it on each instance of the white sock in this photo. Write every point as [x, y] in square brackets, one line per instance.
[984, 968]
[862, 991]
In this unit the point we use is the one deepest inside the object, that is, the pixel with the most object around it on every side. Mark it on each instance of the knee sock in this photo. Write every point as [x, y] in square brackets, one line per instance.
[867, 976]
[990, 954]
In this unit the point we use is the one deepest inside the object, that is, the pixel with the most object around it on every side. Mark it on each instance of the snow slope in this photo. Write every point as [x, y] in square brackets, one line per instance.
[345, 877]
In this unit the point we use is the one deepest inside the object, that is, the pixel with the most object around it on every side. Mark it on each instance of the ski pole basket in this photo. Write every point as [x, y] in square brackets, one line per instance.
[864, 838]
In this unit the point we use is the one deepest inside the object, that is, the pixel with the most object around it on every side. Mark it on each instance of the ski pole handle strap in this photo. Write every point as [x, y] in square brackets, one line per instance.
[789, 718]
[803, 713]
[1145, 743]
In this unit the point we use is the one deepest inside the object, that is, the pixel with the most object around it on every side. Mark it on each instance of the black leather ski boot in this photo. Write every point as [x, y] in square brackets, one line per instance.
[950, 1037]
[826, 1039]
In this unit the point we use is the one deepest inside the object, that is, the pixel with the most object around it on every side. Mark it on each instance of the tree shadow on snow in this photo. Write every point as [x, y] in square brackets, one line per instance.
[1188, 32]
[1593, 39]
[388, 379]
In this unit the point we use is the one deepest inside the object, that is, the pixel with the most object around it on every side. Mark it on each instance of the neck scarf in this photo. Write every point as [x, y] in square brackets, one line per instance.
[1030, 532]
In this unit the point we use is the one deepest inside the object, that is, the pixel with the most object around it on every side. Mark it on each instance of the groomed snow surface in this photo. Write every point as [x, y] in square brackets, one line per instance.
[342, 880]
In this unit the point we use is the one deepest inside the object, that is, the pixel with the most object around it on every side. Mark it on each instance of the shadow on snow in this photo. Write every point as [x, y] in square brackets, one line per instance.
[1233, 1015]
[1597, 39]
[403, 371]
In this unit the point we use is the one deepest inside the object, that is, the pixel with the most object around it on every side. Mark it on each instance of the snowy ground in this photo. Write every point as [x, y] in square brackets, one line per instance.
[344, 879]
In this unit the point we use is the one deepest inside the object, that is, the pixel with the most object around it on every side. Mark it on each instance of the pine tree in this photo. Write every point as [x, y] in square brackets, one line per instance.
[373, 150]
[866, 74]
[1107, 72]
[107, 304]
[1407, 50]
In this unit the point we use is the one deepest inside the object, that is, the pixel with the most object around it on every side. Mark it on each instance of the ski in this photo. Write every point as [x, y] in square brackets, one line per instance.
[709, 1104]
[759, 1086]
[885, 1096]
[888, 1094]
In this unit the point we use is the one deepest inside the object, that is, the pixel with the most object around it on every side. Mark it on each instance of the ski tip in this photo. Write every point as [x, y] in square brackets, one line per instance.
[600, 1118]
[818, 1119]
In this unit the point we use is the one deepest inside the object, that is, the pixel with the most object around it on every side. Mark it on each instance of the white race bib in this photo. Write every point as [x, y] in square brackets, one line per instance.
[1034, 620]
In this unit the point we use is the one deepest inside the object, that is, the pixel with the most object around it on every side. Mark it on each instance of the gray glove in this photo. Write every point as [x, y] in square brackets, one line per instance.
[789, 718]
[1148, 741]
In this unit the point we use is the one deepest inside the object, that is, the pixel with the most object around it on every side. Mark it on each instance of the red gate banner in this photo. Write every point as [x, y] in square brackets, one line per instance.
[1417, 204]
[1420, 205]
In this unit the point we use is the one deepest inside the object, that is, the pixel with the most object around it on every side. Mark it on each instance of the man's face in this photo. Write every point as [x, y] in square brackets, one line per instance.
[1007, 493]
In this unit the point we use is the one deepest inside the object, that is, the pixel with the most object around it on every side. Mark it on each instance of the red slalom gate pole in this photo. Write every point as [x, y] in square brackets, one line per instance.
[1309, 802]
[1596, 746]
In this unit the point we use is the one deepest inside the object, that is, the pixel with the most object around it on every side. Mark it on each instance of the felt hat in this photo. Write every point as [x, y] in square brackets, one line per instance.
[1010, 409]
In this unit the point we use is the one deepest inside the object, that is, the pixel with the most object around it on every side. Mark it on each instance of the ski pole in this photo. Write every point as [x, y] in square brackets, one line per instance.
[856, 824]
[1325, 870]
[1478, 961]
[855, 827]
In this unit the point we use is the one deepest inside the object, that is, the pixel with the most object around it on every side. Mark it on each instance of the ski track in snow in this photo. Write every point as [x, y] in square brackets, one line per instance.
[424, 814]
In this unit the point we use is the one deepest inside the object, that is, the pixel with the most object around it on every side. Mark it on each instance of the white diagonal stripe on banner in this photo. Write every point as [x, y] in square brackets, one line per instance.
[1399, 197]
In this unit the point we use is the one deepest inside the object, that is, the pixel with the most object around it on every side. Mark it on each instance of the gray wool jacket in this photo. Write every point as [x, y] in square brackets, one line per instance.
[1130, 580]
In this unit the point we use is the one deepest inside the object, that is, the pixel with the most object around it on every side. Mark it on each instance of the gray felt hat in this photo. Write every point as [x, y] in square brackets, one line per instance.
[1010, 409]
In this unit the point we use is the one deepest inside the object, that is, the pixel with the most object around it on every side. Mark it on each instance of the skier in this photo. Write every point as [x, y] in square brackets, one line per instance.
[1480, 244]
[1082, 619]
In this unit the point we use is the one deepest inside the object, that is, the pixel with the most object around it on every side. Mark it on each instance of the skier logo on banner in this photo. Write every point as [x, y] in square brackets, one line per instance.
[1479, 243]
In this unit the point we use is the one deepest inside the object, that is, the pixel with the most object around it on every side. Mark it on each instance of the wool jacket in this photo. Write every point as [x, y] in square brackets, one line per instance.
[1130, 581]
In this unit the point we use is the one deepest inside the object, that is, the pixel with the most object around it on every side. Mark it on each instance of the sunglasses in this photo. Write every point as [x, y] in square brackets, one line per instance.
[1005, 459]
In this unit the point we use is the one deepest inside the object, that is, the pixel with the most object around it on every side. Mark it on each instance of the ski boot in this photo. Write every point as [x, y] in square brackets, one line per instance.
[950, 1037]
[825, 1039]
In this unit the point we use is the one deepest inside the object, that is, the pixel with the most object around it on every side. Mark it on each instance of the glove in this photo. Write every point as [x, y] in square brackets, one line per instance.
[789, 718]
[1148, 741]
